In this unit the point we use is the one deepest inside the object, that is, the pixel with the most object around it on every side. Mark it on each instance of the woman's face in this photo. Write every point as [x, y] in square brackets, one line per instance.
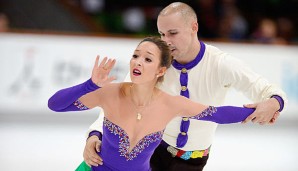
[145, 63]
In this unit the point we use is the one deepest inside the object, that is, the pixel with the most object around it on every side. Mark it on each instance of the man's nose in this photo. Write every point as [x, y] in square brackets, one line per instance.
[166, 39]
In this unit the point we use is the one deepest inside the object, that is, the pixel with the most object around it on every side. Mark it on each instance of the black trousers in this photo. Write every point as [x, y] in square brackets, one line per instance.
[162, 160]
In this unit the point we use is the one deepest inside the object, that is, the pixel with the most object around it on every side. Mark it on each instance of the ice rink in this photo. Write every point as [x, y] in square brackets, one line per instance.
[55, 141]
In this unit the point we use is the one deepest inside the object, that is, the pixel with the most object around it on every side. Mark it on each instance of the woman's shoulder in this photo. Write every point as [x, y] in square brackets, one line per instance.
[170, 99]
[116, 85]
[112, 88]
[122, 87]
[174, 104]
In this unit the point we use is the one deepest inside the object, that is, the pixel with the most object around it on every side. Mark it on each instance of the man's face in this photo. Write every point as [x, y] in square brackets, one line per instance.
[177, 33]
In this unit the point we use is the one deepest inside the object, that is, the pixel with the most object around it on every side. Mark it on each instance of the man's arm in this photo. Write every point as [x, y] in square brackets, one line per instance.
[93, 142]
[268, 98]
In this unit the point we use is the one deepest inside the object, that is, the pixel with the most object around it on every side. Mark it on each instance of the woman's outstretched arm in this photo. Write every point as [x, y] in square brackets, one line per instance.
[68, 99]
[224, 114]
[221, 115]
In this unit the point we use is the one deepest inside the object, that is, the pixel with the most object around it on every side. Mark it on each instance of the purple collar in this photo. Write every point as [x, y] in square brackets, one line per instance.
[194, 62]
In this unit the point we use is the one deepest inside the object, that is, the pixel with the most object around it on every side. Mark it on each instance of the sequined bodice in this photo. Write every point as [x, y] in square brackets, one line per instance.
[116, 144]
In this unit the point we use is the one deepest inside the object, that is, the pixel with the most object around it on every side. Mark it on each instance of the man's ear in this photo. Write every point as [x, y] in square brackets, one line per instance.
[195, 27]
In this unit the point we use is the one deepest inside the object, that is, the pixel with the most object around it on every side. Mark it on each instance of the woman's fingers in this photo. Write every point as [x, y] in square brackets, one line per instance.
[96, 62]
[110, 64]
[103, 63]
[106, 63]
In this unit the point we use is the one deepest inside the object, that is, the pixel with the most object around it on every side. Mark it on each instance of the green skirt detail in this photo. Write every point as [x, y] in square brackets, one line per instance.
[83, 167]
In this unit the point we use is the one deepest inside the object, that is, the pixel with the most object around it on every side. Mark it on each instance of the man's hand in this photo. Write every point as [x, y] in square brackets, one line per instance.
[266, 112]
[90, 152]
[276, 115]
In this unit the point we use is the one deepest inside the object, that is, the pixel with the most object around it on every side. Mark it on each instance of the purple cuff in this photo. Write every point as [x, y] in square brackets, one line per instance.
[280, 101]
[66, 99]
[90, 86]
[97, 133]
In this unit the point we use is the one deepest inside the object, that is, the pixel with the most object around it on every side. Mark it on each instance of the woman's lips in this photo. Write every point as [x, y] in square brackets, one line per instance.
[136, 72]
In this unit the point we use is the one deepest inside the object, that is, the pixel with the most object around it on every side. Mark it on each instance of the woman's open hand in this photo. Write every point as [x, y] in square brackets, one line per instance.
[100, 73]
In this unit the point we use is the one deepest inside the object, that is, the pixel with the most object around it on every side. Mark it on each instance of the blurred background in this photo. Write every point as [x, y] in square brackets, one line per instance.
[47, 45]
[266, 21]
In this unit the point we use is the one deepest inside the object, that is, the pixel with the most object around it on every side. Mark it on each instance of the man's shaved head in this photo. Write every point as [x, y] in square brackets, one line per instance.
[183, 9]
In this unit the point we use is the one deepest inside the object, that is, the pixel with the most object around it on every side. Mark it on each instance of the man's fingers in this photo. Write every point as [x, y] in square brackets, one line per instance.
[90, 152]
[260, 120]
[272, 121]
[275, 116]
[97, 146]
[250, 105]
[249, 118]
[262, 123]
[97, 161]
[268, 120]
[91, 163]
[94, 156]
[94, 159]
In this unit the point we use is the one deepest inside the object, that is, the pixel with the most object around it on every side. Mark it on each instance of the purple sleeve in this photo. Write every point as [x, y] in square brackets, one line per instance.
[67, 99]
[224, 114]
[97, 133]
[280, 101]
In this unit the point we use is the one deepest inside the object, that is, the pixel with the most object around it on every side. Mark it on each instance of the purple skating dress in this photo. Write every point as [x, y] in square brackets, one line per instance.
[115, 146]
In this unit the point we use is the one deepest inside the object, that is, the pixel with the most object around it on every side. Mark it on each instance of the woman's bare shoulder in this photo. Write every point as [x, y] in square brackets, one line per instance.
[114, 86]
[110, 89]
[121, 89]
[170, 99]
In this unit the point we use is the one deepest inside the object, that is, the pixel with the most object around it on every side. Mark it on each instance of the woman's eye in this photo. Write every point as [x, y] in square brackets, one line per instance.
[134, 56]
[148, 60]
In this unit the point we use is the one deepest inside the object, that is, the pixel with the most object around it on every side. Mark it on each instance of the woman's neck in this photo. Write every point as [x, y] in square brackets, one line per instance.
[142, 95]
